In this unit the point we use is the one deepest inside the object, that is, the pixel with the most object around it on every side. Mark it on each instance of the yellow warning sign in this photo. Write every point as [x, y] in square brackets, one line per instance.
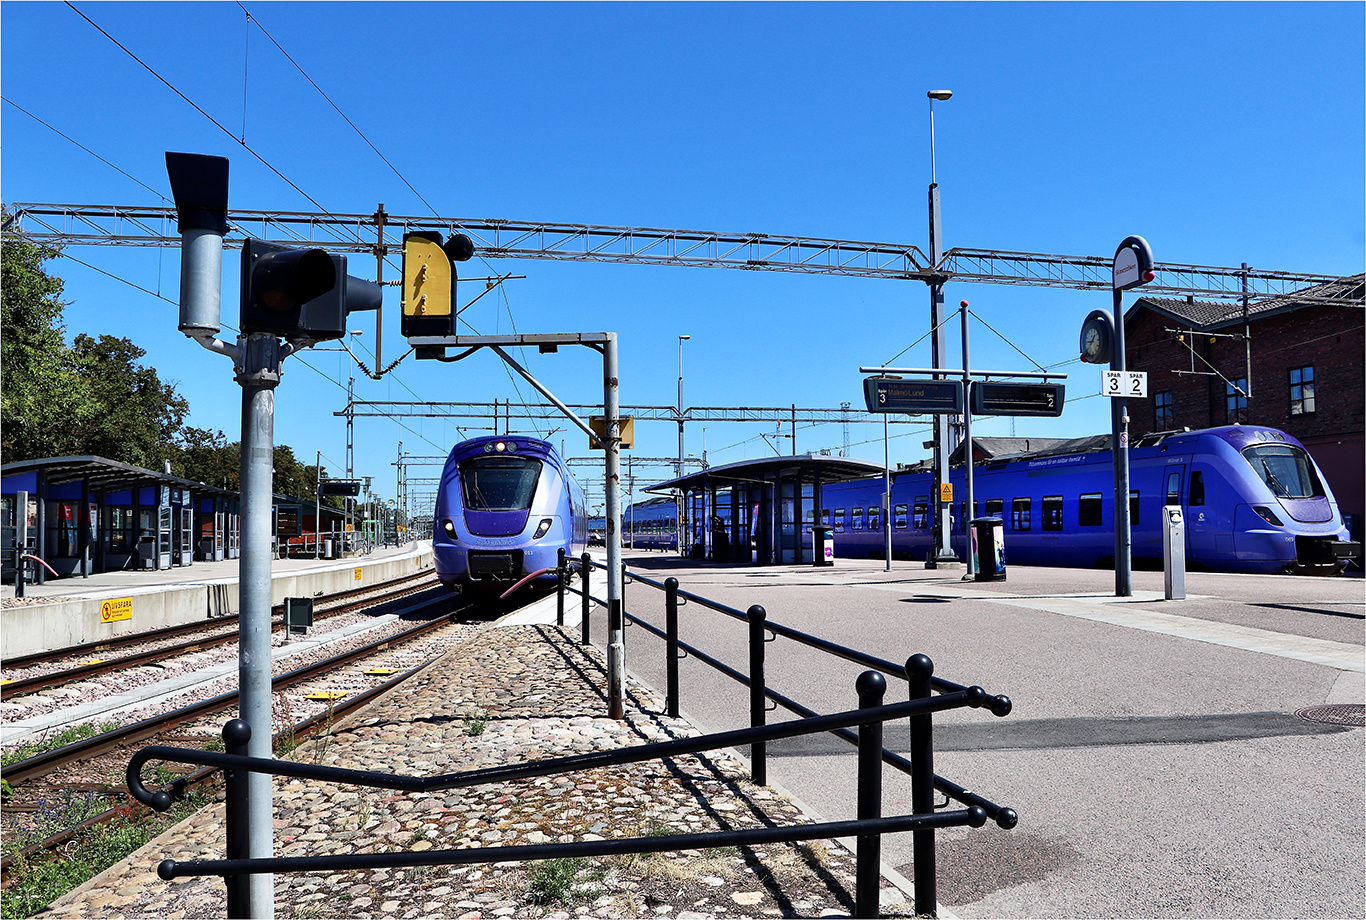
[946, 491]
[358, 573]
[116, 609]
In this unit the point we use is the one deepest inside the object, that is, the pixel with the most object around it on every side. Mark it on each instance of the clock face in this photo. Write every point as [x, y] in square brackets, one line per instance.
[1095, 342]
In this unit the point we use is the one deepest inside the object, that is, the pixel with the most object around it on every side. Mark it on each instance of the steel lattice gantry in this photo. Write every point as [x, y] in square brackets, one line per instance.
[545, 411]
[107, 225]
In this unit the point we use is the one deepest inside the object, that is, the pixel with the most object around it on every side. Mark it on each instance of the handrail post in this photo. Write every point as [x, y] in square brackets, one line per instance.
[236, 734]
[559, 587]
[584, 572]
[919, 669]
[757, 700]
[868, 870]
[671, 645]
[623, 603]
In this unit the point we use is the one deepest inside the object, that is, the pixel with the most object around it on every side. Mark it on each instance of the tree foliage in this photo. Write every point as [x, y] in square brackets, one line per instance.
[94, 397]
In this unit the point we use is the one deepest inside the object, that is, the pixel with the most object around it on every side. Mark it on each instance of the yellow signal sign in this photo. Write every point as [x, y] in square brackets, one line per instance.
[946, 492]
[426, 276]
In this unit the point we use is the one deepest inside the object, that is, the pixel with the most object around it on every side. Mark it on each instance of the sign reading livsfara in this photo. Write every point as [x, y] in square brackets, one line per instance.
[120, 608]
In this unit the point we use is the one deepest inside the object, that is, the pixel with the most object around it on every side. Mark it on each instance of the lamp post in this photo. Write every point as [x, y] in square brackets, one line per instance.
[942, 551]
[678, 471]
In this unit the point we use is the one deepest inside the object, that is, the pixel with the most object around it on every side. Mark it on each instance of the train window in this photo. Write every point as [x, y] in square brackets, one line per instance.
[874, 517]
[995, 507]
[1174, 488]
[921, 518]
[1133, 508]
[838, 520]
[499, 482]
[1088, 510]
[825, 517]
[857, 523]
[1052, 512]
[1020, 518]
[1197, 487]
[1285, 469]
[900, 519]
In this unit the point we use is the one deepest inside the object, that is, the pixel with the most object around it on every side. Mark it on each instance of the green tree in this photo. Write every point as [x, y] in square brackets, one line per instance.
[42, 397]
[207, 456]
[139, 415]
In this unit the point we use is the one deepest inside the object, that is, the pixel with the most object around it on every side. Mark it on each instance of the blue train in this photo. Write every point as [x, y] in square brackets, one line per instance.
[1253, 500]
[505, 507]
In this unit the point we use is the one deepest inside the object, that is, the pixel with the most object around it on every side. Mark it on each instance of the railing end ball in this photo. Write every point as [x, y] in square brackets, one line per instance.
[977, 816]
[919, 667]
[166, 870]
[870, 684]
[1006, 818]
[671, 583]
[1001, 705]
[161, 800]
[977, 697]
[236, 731]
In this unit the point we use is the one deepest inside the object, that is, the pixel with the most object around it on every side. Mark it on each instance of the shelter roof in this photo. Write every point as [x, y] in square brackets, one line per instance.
[802, 468]
[102, 473]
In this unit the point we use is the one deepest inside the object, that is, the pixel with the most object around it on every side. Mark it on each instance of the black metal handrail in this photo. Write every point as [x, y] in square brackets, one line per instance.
[917, 671]
[868, 827]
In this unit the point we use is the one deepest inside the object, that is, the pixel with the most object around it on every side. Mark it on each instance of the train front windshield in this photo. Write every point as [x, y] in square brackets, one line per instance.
[1285, 469]
[499, 483]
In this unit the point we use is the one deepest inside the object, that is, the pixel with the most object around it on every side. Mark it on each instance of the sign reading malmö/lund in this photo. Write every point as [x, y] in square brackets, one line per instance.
[933, 397]
[1042, 399]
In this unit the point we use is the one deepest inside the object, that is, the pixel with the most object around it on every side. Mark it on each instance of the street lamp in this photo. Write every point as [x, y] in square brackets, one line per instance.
[678, 494]
[943, 550]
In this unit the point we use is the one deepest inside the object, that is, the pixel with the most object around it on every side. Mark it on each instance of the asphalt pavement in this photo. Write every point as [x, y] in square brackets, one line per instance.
[1155, 753]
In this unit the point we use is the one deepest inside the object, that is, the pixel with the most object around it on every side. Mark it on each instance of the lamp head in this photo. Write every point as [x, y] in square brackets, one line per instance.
[940, 94]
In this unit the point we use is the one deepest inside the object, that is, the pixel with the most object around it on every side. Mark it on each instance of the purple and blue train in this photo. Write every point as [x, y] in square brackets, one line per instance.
[1253, 500]
[505, 508]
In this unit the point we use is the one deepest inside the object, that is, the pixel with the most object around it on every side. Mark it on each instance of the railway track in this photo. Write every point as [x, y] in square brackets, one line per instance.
[159, 644]
[95, 766]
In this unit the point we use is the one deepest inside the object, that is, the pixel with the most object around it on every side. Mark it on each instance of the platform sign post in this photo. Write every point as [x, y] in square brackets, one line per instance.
[1133, 266]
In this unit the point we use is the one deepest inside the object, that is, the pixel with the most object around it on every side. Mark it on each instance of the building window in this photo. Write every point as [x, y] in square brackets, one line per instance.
[1235, 402]
[1166, 418]
[1302, 390]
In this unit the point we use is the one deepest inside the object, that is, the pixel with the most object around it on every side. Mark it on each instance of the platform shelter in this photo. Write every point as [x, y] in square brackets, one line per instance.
[758, 511]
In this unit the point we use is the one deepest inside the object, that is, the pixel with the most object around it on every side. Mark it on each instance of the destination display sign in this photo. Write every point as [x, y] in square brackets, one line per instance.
[1040, 399]
[916, 397]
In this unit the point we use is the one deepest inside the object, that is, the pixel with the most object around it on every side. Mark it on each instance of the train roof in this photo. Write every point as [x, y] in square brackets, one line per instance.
[799, 467]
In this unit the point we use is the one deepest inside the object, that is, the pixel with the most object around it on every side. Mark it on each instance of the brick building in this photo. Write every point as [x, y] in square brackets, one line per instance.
[1306, 373]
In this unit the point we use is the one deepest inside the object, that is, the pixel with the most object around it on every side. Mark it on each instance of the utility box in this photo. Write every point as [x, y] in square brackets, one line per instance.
[823, 545]
[989, 549]
[1173, 552]
[298, 615]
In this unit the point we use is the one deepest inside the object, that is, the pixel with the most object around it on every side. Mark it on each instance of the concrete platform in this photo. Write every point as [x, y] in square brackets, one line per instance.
[73, 611]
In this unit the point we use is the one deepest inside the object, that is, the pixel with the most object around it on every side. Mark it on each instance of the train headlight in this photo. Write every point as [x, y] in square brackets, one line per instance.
[449, 527]
[1267, 515]
[542, 528]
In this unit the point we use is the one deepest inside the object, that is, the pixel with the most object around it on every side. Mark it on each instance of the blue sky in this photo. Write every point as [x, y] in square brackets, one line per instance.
[1223, 133]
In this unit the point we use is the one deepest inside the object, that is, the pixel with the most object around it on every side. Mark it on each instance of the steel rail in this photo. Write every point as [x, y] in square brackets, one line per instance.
[170, 632]
[38, 765]
[304, 728]
[52, 679]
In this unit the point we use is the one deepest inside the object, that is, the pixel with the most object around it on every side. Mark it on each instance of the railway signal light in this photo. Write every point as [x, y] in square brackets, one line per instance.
[300, 293]
[429, 278]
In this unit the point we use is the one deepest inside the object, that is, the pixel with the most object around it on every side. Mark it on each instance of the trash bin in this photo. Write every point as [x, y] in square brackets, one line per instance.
[988, 549]
[328, 551]
[823, 544]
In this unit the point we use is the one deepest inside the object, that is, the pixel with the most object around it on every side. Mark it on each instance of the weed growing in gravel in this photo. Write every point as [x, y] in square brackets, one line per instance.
[556, 881]
[34, 884]
[56, 740]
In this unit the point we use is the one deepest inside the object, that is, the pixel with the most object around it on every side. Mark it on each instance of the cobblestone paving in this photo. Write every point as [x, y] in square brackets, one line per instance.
[508, 695]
